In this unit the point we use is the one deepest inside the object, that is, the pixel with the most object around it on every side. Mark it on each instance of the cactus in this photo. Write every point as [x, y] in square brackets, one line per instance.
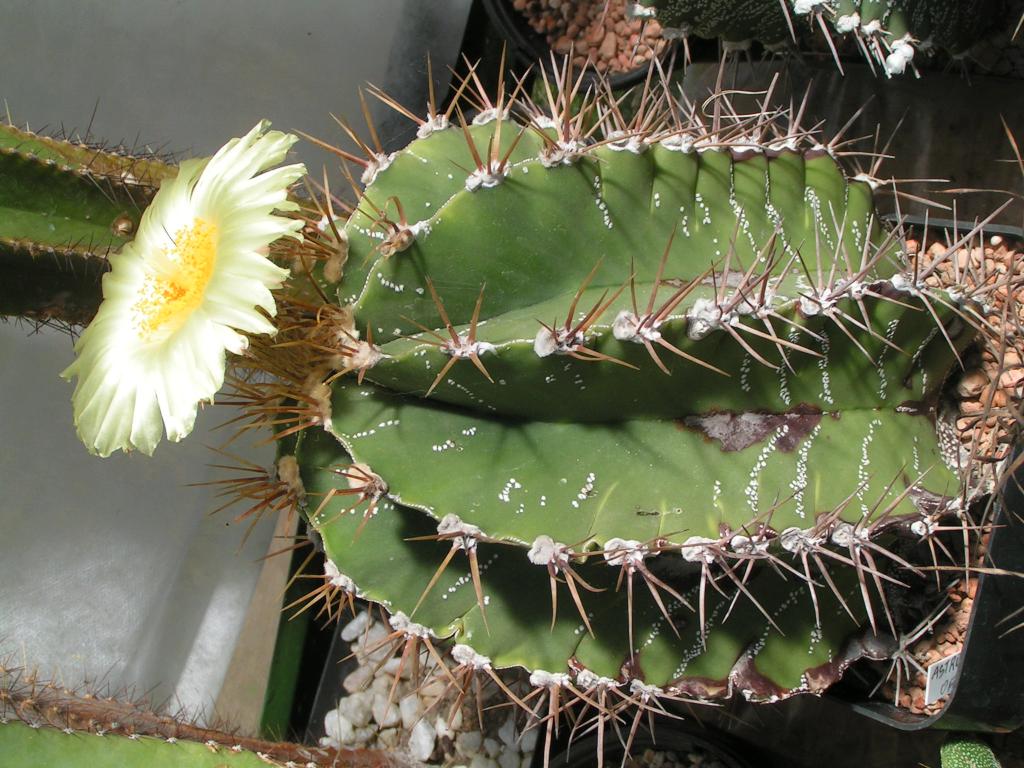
[45, 724]
[65, 206]
[966, 752]
[887, 33]
[648, 409]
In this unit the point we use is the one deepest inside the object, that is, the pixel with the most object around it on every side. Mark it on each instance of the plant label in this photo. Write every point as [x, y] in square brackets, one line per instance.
[942, 676]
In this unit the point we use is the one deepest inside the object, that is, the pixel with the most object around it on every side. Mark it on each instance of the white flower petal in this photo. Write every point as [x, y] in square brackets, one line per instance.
[182, 294]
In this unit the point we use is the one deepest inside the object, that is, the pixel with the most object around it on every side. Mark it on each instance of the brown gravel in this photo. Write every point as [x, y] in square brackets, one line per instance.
[947, 639]
[594, 31]
[988, 393]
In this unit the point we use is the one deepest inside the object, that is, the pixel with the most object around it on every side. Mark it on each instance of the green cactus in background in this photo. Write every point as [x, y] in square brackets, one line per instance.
[967, 752]
[887, 33]
[63, 207]
[43, 724]
[643, 408]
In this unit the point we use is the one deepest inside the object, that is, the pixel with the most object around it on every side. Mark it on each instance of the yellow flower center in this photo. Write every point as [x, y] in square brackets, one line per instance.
[169, 296]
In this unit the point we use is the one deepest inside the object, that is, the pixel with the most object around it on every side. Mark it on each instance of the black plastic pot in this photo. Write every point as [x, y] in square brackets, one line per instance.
[528, 48]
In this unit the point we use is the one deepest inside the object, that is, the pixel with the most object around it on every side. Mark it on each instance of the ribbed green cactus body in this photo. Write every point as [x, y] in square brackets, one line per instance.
[392, 568]
[49, 206]
[791, 402]
[616, 208]
[834, 375]
[950, 25]
[732, 21]
[638, 479]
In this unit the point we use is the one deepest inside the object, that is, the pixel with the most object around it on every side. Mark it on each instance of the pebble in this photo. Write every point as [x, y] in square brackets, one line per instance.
[528, 742]
[357, 708]
[442, 728]
[356, 627]
[972, 383]
[608, 47]
[363, 736]
[421, 741]
[491, 747]
[417, 719]
[469, 742]
[389, 738]
[358, 679]
[1011, 378]
[978, 267]
[946, 640]
[410, 708]
[386, 715]
[339, 730]
[507, 732]
[598, 32]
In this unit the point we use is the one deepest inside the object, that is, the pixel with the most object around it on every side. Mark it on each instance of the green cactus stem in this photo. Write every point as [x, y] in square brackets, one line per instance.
[888, 34]
[44, 724]
[63, 207]
[962, 751]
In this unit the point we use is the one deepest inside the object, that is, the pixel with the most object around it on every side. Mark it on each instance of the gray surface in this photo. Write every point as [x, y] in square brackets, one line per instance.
[184, 75]
[110, 568]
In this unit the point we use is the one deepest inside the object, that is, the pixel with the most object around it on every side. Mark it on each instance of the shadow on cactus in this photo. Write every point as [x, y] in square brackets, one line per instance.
[650, 407]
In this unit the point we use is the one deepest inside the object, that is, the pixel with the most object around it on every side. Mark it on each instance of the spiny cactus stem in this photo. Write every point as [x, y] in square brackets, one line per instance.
[643, 329]
[260, 491]
[46, 284]
[470, 665]
[435, 121]
[557, 558]
[571, 339]
[334, 590]
[41, 704]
